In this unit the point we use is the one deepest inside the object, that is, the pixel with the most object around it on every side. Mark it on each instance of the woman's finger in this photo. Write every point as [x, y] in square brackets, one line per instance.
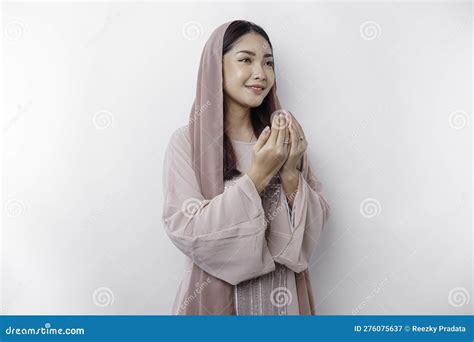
[294, 128]
[274, 130]
[282, 128]
[298, 128]
[263, 138]
[293, 139]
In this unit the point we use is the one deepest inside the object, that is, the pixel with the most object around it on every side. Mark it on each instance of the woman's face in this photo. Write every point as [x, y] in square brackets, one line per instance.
[248, 63]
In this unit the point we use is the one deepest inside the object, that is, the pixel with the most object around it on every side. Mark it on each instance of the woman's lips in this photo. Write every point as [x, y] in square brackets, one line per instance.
[255, 90]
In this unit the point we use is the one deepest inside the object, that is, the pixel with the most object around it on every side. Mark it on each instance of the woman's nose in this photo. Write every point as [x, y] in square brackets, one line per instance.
[259, 72]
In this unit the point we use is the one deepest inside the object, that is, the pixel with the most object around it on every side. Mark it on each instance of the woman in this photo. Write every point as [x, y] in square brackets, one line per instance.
[240, 198]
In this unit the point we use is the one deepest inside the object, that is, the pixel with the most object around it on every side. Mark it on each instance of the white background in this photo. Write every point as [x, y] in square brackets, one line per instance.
[92, 93]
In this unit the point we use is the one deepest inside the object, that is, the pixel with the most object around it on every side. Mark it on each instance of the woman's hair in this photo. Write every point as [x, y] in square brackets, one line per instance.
[259, 116]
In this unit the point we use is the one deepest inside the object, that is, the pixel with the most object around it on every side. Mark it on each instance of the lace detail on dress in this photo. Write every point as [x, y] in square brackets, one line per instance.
[270, 197]
[264, 295]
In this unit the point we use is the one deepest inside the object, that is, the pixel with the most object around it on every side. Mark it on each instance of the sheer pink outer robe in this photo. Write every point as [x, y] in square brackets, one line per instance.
[223, 233]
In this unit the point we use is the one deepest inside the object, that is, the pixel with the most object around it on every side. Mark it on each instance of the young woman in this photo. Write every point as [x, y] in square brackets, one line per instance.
[240, 198]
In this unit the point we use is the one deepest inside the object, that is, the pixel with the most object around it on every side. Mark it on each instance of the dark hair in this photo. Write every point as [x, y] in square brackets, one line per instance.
[259, 116]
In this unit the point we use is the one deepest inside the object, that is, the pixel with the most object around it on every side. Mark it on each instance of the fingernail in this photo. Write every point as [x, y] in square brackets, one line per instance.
[266, 129]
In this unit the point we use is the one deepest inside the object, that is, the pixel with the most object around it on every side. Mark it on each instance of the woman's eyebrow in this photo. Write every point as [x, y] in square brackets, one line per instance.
[253, 53]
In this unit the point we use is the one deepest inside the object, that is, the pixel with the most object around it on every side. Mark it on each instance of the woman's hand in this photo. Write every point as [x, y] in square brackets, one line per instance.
[270, 152]
[298, 146]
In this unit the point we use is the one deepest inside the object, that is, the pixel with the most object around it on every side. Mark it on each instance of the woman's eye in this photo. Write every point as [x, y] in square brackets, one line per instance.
[270, 63]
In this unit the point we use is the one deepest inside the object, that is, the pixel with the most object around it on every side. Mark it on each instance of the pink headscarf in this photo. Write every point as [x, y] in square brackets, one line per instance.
[206, 128]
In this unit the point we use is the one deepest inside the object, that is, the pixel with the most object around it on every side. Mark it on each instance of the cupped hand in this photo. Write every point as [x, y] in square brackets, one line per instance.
[298, 145]
[270, 151]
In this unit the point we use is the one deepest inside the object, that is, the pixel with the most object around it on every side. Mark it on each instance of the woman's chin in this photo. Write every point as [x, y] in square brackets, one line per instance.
[254, 102]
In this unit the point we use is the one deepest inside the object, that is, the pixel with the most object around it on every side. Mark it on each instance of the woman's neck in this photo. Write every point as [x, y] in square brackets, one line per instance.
[237, 123]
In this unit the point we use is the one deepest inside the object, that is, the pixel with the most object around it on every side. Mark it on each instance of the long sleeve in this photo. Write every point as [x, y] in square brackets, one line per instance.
[224, 236]
[294, 233]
